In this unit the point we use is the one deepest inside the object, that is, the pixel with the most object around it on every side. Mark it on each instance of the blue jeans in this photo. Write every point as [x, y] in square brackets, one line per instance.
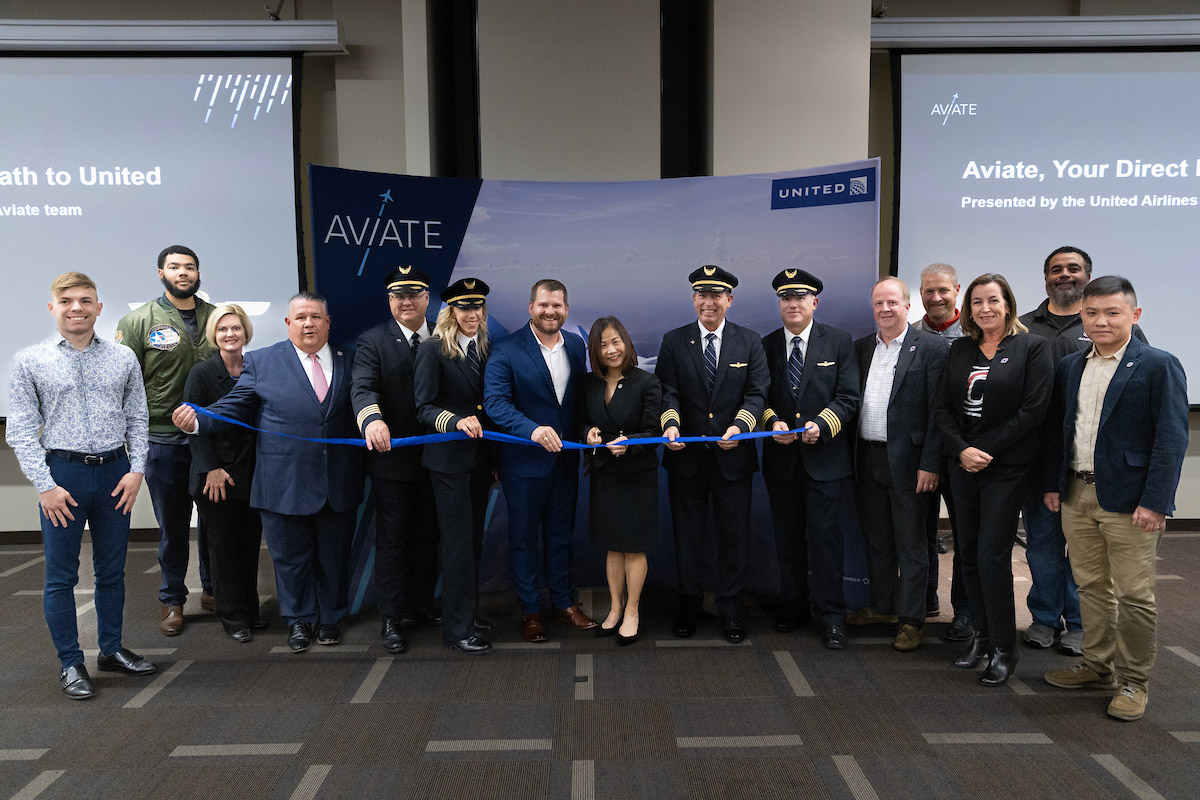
[168, 468]
[1053, 598]
[91, 487]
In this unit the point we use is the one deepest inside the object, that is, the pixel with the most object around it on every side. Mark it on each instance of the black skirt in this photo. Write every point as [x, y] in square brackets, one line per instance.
[623, 513]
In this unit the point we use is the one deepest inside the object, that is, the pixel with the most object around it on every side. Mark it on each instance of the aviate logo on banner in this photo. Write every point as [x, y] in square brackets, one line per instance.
[856, 186]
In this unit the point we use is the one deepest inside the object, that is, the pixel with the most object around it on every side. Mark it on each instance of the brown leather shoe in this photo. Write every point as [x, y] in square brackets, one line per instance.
[171, 623]
[575, 618]
[208, 602]
[532, 628]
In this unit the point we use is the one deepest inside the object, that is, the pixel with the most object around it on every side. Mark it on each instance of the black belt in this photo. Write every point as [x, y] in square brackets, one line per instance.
[91, 459]
[1087, 477]
[874, 443]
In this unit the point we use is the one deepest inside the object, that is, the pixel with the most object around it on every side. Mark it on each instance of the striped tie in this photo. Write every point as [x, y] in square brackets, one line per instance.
[710, 360]
[414, 343]
[473, 357]
[795, 365]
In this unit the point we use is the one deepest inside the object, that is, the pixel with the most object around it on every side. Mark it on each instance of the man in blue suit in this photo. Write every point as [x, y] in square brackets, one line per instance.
[529, 390]
[308, 493]
[1119, 424]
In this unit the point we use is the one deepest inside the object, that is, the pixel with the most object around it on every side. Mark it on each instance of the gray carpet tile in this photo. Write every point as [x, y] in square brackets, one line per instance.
[458, 721]
[613, 730]
[751, 779]
[370, 734]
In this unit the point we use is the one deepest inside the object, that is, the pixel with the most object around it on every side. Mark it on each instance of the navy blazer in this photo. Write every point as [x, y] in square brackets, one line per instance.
[914, 441]
[447, 389]
[518, 395]
[829, 396]
[1015, 399]
[737, 397]
[382, 388]
[291, 476]
[1143, 432]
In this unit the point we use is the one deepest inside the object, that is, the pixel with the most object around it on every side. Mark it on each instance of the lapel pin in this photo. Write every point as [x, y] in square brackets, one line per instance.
[1004, 360]
[1129, 364]
[691, 341]
[911, 348]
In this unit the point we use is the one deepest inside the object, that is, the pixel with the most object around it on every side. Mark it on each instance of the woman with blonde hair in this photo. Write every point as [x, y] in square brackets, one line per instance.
[448, 386]
[222, 466]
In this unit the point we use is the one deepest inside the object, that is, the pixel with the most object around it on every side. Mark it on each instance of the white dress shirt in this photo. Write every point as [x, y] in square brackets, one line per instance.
[787, 342]
[704, 332]
[556, 362]
[324, 357]
[877, 391]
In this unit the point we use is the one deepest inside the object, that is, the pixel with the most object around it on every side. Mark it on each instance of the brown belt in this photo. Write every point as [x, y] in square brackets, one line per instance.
[1088, 478]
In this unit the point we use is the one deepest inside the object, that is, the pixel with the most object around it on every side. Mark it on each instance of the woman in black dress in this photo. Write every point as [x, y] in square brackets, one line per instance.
[620, 402]
[222, 465]
[994, 394]
[448, 387]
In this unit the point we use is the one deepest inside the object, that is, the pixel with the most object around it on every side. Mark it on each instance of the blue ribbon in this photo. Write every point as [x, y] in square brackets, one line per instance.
[496, 436]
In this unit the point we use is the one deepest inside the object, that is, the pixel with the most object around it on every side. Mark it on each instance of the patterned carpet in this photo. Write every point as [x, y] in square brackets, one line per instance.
[775, 717]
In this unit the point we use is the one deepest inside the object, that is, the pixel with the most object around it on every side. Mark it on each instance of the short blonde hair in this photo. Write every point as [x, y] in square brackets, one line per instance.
[71, 280]
[223, 310]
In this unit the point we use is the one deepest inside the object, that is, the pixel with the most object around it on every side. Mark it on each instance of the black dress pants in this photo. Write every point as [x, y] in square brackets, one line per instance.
[234, 542]
[406, 545]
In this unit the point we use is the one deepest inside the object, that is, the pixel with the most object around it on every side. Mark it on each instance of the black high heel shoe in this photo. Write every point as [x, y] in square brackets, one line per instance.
[976, 652]
[625, 641]
[603, 632]
[1004, 663]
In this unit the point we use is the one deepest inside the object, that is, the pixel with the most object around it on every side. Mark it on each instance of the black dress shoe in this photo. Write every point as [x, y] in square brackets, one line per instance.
[685, 625]
[603, 632]
[483, 626]
[975, 652]
[734, 631]
[125, 661]
[329, 635]
[393, 636]
[241, 635]
[426, 616]
[835, 637]
[299, 637]
[76, 684]
[791, 619]
[1004, 662]
[257, 624]
[472, 645]
[960, 630]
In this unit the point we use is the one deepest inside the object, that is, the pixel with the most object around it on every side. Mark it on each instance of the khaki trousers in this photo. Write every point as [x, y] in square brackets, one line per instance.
[1113, 563]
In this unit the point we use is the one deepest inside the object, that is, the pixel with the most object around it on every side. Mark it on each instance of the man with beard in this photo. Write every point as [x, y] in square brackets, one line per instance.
[167, 336]
[1053, 598]
[529, 388]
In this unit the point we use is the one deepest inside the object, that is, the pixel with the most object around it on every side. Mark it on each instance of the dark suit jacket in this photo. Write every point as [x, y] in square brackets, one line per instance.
[382, 388]
[914, 441]
[229, 447]
[1143, 430]
[447, 389]
[519, 397]
[1015, 400]
[829, 396]
[633, 411]
[737, 398]
[291, 476]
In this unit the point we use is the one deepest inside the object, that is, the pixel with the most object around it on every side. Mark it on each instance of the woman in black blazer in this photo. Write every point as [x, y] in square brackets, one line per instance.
[619, 402]
[222, 466]
[448, 387]
[994, 394]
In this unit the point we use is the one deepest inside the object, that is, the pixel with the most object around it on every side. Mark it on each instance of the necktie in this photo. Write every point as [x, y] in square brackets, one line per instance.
[795, 364]
[320, 385]
[710, 360]
[473, 357]
[414, 342]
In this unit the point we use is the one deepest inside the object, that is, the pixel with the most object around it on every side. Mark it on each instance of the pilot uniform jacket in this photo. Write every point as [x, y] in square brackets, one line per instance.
[737, 398]
[383, 389]
[447, 390]
[829, 396]
[1014, 402]
[294, 477]
[1143, 431]
[914, 442]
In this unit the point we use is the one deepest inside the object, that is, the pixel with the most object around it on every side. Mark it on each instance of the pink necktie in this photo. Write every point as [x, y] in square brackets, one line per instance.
[320, 385]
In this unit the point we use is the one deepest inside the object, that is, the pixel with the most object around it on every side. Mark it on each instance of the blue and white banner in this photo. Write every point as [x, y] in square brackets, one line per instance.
[622, 248]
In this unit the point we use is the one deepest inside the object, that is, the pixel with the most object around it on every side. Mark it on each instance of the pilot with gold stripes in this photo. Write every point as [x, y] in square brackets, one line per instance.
[714, 379]
[406, 533]
[813, 396]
